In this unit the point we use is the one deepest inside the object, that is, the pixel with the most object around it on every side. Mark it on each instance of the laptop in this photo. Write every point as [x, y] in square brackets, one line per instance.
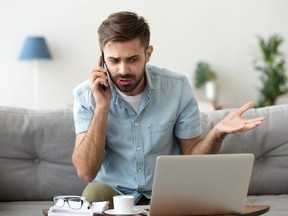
[201, 184]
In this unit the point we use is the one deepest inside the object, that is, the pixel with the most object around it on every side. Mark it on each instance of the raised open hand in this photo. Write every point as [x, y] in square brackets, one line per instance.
[233, 122]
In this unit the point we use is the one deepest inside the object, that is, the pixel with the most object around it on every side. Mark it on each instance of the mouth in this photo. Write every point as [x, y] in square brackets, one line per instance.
[125, 81]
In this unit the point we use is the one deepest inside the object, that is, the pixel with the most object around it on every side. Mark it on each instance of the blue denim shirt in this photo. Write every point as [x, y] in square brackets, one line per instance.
[168, 111]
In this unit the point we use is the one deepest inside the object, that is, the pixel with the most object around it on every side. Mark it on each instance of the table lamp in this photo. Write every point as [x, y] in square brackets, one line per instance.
[34, 49]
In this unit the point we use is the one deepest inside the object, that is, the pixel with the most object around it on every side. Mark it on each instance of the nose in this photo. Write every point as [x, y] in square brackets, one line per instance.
[123, 68]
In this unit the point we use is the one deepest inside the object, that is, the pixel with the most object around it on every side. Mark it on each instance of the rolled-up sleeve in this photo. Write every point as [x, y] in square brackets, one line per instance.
[188, 123]
[82, 108]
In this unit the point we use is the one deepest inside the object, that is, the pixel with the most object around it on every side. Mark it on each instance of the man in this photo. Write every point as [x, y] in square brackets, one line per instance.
[128, 113]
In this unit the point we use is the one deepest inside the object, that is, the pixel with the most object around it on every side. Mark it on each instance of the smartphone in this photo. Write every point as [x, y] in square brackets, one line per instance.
[103, 65]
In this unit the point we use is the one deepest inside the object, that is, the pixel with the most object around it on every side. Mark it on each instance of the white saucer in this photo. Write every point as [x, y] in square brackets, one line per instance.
[112, 211]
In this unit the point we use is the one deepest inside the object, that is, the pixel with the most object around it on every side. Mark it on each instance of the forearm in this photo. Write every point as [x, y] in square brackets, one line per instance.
[211, 144]
[89, 151]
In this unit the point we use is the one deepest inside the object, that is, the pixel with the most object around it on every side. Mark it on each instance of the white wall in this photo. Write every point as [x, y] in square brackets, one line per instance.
[222, 32]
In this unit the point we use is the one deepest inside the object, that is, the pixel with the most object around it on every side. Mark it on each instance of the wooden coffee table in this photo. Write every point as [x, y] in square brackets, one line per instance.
[249, 210]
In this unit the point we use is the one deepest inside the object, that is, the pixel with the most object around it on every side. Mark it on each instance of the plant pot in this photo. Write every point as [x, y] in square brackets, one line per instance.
[212, 91]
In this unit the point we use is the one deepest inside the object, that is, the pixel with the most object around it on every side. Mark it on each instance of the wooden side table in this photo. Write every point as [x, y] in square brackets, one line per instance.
[254, 210]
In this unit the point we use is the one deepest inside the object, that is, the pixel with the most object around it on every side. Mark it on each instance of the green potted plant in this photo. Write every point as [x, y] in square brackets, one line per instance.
[273, 76]
[204, 76]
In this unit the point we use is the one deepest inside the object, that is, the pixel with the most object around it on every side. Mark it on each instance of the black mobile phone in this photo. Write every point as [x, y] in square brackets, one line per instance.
[103, 65]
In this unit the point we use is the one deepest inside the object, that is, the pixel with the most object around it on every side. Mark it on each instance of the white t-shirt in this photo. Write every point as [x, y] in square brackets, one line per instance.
[134, 101]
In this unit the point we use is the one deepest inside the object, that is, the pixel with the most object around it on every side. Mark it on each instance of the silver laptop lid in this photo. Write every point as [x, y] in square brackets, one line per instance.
[201, 184]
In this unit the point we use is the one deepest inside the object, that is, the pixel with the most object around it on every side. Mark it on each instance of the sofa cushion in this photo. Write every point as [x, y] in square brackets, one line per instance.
[35, 155]
[268, 142]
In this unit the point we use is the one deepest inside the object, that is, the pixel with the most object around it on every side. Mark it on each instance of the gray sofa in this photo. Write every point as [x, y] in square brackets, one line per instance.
[36, 148]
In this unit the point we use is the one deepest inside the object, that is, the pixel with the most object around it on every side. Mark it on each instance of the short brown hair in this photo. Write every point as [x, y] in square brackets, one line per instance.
[124, 26]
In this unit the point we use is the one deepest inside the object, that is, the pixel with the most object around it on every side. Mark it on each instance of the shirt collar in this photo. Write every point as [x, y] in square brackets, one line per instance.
[151, 82]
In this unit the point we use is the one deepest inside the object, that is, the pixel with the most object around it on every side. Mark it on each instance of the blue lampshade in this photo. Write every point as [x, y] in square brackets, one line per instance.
[35, 48]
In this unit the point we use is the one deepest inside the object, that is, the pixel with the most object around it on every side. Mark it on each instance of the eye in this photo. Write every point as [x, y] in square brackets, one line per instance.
[114, 61]
[131, 60]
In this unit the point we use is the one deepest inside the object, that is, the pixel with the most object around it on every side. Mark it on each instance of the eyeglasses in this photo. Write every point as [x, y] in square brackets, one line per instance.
[74, 202]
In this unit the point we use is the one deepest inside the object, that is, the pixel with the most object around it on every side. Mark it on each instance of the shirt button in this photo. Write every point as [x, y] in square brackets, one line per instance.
[140, 170]
[138, 148]
[136, 124]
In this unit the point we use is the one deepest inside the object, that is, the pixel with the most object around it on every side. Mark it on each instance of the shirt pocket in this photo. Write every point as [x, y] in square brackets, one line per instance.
[161, 137]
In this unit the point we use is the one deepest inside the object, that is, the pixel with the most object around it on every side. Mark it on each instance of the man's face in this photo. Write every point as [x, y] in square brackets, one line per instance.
[126, 64]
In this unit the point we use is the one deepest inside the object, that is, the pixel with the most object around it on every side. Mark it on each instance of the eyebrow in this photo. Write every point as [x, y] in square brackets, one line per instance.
[127, 58]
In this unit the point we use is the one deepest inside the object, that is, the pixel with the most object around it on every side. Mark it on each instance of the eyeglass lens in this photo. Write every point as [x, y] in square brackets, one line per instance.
[73, 202]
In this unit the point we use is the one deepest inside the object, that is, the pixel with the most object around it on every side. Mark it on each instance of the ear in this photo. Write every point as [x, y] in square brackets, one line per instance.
[149, 53]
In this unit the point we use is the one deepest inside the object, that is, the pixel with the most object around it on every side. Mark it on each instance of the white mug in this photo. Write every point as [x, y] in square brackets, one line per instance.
[123, 204]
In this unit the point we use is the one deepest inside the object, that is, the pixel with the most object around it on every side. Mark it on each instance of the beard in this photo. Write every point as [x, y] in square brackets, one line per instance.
[128, 82]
